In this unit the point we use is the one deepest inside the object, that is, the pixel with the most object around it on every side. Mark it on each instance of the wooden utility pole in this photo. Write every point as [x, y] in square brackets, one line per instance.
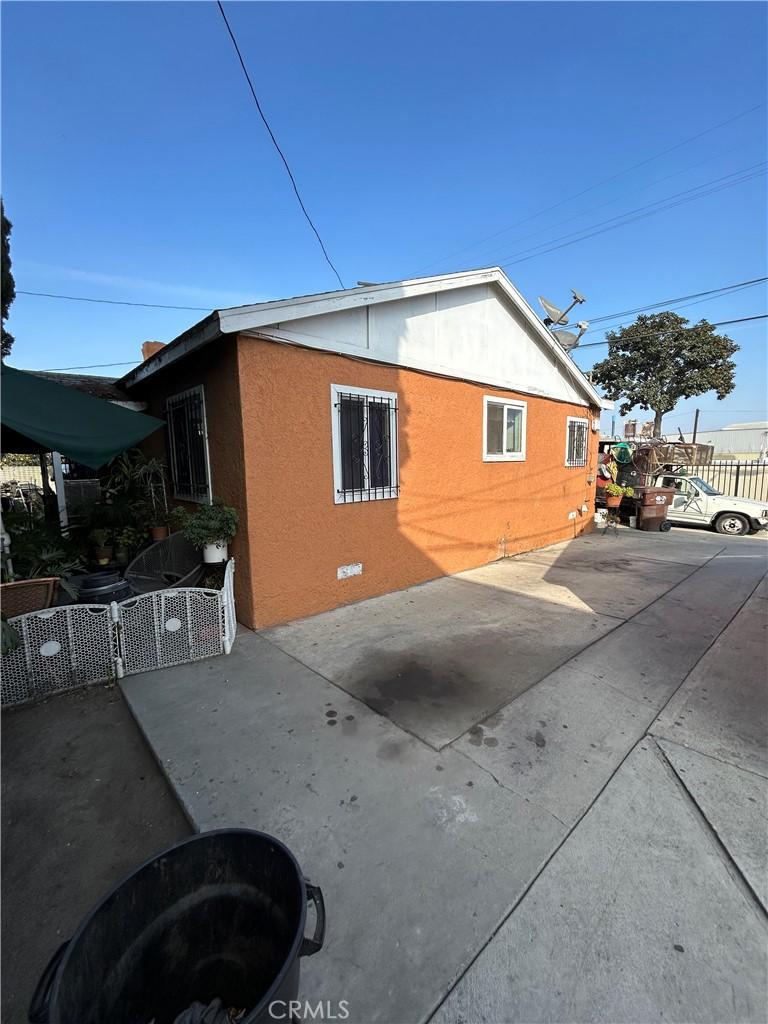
[695, 426]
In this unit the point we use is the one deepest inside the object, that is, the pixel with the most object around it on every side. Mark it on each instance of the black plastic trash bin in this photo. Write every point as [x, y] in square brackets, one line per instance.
[219, 915]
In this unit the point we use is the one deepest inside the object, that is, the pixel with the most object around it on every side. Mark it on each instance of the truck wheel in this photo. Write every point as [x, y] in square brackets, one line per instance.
[732, 524]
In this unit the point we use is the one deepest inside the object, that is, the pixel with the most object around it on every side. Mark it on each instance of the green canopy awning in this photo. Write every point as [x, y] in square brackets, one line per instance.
[41, 416]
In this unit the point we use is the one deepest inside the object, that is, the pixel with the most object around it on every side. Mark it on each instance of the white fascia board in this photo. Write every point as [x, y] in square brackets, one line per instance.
[248, 319]
[240, 319]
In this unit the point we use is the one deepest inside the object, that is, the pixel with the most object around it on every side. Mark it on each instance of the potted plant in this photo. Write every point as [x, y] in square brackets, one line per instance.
[209, 528]
[615, 492]
[127, 541]
[141, 480]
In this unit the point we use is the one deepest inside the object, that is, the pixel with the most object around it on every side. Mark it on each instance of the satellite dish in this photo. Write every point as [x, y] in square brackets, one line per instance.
[554, 315]
[567, 339]
[558, 316]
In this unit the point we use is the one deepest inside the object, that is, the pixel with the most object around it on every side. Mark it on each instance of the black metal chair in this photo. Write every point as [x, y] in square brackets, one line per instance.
[172, 562]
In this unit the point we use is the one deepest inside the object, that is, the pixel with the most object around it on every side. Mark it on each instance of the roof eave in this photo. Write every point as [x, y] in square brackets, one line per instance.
[202, 333]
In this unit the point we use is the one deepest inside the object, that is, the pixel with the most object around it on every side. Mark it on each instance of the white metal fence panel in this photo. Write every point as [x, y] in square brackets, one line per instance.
[170, 627]
[228, 600]
[60, 648]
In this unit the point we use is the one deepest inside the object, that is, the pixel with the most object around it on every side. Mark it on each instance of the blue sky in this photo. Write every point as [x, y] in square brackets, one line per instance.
[135, 166]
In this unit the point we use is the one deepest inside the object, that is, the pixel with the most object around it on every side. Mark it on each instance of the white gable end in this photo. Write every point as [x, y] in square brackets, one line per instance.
[473, 325]
[473, 332]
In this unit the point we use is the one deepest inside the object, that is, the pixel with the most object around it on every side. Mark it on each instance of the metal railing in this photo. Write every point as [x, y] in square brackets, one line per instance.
[741, 479]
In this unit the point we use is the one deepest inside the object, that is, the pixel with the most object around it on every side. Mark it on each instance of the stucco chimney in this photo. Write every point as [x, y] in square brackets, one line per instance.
[149, 348]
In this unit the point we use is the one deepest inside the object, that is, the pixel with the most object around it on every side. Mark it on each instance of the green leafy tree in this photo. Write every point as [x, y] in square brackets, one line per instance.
[660, 358]
[7, 284]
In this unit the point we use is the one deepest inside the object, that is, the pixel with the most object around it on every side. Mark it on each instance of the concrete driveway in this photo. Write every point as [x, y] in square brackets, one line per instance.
[466, 769]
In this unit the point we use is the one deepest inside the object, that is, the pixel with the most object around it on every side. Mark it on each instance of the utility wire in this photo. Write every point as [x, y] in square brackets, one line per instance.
[597, 184]
[112, 302]
[714, 292]
[487, 257]
[90, 366]
[751, 169]
[275, 143]
[629, 220]
[592, 344]
[650, 334]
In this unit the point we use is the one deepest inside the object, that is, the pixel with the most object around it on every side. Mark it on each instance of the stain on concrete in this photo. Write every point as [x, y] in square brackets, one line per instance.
[475, 735]
[392, 750]
[538, 738]
[331, 714]
[405, 678]
[490, 741]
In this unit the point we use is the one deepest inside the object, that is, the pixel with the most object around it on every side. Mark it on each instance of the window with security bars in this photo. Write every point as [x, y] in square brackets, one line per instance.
[577, 442]
[188, 445]
[365, 463]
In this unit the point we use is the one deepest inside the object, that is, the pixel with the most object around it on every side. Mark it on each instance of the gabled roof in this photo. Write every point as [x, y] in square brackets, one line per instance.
[249, 318]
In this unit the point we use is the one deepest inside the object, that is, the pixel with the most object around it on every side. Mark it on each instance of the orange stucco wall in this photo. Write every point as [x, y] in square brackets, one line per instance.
[216, 367]
[454, 512]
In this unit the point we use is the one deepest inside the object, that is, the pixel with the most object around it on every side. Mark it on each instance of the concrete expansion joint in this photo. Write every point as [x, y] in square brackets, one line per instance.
[708, 754]
[719, 846]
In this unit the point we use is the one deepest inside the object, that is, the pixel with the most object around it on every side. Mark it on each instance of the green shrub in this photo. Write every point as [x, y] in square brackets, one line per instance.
[208, 524]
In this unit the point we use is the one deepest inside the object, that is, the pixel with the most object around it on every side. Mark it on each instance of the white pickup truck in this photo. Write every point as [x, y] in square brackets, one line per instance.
[698, 503]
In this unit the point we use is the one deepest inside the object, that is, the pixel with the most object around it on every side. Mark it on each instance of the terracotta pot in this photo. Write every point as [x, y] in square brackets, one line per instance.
[159, 532]
[613, 500]
[601, 482]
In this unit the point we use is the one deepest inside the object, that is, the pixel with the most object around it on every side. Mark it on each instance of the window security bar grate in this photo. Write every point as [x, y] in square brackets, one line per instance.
[368, 442]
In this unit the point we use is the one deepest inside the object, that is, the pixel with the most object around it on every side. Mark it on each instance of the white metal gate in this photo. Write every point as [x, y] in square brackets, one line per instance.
[62, 648]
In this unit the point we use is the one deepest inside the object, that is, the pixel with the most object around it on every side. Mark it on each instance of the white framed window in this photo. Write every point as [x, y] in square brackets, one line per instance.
[504, 422]
[576, 441]
[188, 445]
[364, 434]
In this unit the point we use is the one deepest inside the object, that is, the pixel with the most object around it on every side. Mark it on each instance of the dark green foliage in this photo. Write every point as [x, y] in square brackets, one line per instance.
[660, 358]
[7, 284]
[208, 524]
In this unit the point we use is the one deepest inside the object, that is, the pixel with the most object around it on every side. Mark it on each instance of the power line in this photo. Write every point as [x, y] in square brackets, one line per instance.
[650, 334]
[751, 169]
[275, 143]
[679, 298]
[673, 306]
[590, 188]
[487, 256]
[686, 198]
[90, 366]
[592, 344]
[112, 302]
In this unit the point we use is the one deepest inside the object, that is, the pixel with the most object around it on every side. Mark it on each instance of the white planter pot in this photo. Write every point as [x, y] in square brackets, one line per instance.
[215, 552]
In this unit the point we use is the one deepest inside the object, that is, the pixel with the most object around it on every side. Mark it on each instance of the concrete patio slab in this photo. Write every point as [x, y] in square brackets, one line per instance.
[599, 580]
[638, 917]
[722, 709]
[706, 602]
[437, 658]
[690, 547]
[633, 544]
[419, 854]
[559, 743]
[735, 803]
[641, 662]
